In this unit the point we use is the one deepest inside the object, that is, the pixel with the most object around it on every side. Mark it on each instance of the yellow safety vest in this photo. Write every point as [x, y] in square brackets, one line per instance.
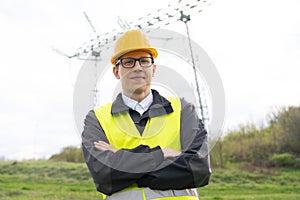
[163, 130]
[121, 131]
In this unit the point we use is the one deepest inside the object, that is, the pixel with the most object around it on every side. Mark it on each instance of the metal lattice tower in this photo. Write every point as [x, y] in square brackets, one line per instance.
[177, 11]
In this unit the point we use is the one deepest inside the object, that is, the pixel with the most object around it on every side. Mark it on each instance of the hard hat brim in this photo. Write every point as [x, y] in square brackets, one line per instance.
[114, 58]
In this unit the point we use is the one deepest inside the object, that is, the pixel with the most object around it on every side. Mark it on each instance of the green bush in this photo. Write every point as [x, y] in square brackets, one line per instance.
[297, 162]
[284, 159]
[69, 154]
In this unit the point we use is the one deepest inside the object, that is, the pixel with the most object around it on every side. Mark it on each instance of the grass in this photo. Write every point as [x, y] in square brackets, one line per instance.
[37, 180]
[45, 180]
[262, 184]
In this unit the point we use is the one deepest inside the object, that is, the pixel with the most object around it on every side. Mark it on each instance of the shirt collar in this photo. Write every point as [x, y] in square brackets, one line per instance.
[165, 107]
[140, 107]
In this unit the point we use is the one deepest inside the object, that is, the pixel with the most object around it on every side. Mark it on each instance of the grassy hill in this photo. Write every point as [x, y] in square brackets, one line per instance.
[36, 180]
[45, 180]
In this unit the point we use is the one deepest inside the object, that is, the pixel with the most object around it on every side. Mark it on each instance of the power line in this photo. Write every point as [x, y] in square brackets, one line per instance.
[90, 22]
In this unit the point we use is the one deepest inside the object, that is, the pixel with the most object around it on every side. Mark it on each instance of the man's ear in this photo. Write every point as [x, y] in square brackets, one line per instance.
[116, 72]
[153, 69]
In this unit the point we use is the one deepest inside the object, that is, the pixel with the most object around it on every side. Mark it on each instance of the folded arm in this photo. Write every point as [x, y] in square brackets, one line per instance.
[113, 170]
[191, 168]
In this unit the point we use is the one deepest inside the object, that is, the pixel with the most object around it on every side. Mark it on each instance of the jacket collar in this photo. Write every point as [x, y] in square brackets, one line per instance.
[160, 105]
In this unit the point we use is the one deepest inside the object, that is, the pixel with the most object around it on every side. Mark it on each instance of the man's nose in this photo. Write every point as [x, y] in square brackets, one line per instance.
[137, 65]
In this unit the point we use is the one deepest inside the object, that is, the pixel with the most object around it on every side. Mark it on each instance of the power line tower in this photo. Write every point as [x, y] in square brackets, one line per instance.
[177, 11]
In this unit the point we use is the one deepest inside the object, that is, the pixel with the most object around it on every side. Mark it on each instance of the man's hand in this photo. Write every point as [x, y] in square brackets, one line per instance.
[169, 153]
[103, 146]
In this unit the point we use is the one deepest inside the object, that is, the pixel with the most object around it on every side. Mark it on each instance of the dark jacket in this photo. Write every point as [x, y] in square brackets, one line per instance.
[189, 170]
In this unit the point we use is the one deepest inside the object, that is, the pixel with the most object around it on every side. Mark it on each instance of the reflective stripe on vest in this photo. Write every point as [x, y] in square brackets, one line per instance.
[121, 131]
[178, 198]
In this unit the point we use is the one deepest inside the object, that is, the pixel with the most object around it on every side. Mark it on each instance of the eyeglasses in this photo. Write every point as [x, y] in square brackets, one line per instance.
[130, 62]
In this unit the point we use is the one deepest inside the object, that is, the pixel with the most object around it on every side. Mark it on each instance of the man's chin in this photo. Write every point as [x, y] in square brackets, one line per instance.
[140, 90]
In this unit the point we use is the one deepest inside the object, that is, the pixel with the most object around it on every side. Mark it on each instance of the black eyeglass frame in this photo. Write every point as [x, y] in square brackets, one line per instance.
[135, 59]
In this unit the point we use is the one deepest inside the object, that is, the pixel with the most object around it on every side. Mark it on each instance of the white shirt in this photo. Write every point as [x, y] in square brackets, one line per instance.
[139, 107]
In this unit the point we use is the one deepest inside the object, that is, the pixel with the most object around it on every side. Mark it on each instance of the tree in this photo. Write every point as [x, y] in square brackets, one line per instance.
[285, 127]
[288, 120]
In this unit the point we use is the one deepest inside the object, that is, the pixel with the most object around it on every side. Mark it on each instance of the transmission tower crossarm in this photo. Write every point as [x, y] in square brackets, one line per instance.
[158, 19]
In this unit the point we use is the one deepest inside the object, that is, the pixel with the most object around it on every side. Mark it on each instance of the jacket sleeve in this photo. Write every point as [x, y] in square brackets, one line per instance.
[189, 170]
[112, 172]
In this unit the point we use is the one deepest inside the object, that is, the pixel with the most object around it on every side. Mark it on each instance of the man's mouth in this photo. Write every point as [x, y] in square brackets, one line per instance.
[137, 77]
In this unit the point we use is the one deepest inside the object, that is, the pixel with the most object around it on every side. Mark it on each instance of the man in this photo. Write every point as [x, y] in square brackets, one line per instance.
[143, 145]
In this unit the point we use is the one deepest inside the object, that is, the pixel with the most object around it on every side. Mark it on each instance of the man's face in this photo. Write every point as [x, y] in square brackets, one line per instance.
[135, 80]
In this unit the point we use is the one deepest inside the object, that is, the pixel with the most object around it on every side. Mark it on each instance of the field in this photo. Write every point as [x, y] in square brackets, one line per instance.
[36, 180]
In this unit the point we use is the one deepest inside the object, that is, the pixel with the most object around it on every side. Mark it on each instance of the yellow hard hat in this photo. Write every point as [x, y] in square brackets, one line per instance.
[133, 40]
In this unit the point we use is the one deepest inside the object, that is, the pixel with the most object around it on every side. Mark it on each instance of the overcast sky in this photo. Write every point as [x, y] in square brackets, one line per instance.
[255, 45]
